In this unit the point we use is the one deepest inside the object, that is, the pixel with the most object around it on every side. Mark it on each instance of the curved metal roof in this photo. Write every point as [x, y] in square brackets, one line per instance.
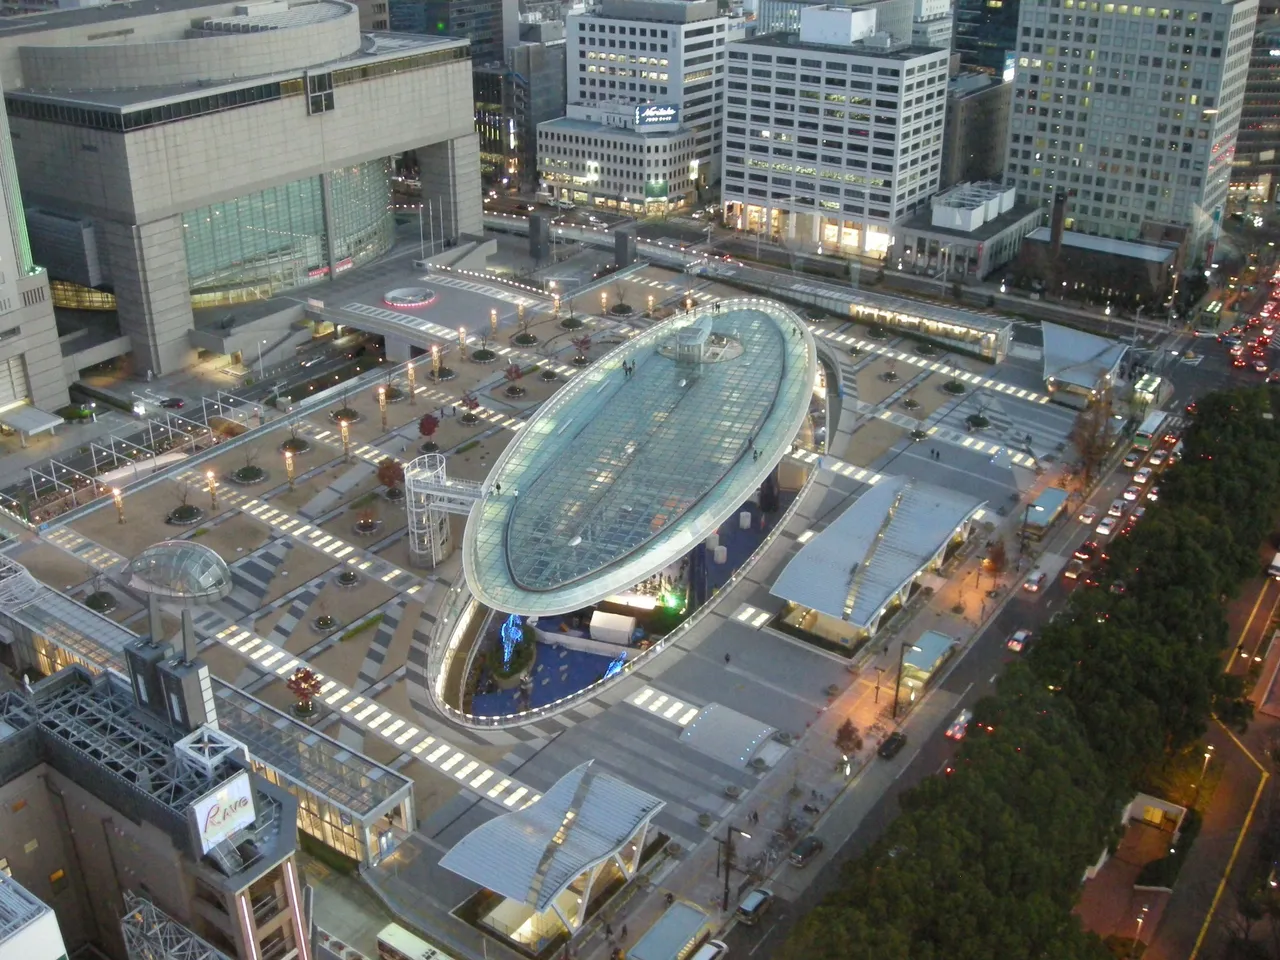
[532, 855]
[181, 570]
[852, 568]
[619, 475]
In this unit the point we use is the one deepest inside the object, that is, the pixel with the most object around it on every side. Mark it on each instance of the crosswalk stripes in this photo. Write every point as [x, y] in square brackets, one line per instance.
[663, 705]
[495, 293]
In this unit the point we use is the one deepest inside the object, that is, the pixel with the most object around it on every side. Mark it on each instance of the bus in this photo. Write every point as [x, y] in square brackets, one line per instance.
[1149, 432]
[397, 943]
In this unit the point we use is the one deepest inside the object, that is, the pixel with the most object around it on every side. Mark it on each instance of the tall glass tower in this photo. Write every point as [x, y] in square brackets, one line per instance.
[986, 33]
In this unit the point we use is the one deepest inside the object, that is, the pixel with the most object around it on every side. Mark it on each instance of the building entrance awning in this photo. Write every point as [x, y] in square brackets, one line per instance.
[29, 420]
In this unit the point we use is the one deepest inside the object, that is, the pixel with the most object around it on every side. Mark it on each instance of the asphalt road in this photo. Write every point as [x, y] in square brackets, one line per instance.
[972, 678]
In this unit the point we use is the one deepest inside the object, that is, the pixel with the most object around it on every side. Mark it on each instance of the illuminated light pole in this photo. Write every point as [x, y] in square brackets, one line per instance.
[119, 499]
[727, 843]
[650, 311]
[902, 662]
[213, 489]
[493, 322]
[556, 302]
[604, 301]
[1204, 767]
[288, 466]
[382, 406]
[435, 361]
[462, 338]
[346, 441]
[1137, 937]
[412, 374]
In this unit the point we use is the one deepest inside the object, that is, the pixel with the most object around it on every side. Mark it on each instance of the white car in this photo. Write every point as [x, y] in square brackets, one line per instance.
[1106, 527]
[960, 725]
[1035, 581]
[1089, 514]
[1132, 459]
[1116, 509]
[1018, 642]
[1159, 457]
[1142, 476]
[1132, 493]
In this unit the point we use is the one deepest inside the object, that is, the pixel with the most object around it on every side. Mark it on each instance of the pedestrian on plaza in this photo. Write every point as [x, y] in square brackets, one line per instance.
[608, 930]
[622, 938]
[497, 488]
[726, 658]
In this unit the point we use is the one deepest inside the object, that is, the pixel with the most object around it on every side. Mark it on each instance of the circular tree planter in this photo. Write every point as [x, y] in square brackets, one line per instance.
[890, 376]
[918, 435]
[878, 333]
[855, 351]
[525, 339]
[444, 374]
[977, 421]
[184, 515]
[395, 494]
[302, 712]
[295, 445]
[515, 392]
[325, 623]
[733, 791]
[953, 387]
[926, 350]
[347, 414]
[347, 578]
[832, 690]
[483, 355]
[580, 361]
[429, 447]
[248, 475]
[549, 376]
[395, 394]
[783, 737]
[469, 419]
[362, 528]
[571, 323]
[911, 403]
[100, 601]
[704, 820]
[622, 310]
[758, 763]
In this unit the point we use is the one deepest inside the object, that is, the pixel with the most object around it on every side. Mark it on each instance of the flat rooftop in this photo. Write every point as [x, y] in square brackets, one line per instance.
[791, 41]
[1151, 252]
[617, 476]
[922, 222]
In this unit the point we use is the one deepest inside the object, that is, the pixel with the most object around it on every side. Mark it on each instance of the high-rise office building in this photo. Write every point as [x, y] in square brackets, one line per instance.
[1256, 167]
[932, 23]
[1130, 110]
[537, 67]
[664, 52]
[832, 134]
[977, 129]
[488, 24]
[986, 33]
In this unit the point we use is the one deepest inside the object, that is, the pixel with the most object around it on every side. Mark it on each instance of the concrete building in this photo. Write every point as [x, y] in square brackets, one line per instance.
[932, 23]
[832, 135]
[492, 91]
[669, 53]
[237, 151]
[894, 17]
[986, 33]
[977, 129]
[28, 929]
[1256, 164]
[537, 66]
[967, 232]
[490, 25]
[639, 160]
[1134, 110]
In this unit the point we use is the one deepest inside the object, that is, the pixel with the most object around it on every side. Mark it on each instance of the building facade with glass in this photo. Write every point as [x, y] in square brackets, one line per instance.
[237, 151]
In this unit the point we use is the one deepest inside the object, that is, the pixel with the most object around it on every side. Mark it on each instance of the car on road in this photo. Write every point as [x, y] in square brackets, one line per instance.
[1138, 514]
[1132, 459]
[1034, 582]
[960, 725]
[1143, 475]
[1153, 494]
[1106, 526]
[711, 950]
[173, 403]
[802, 853]
[892, 745]
[755, 905]
[1089, 514]
[1260, 366]
[1132, 493]
[1116, 509]
[1237, 349]
[1018, 640]
[1074, 569]
[1087, 550]
[1240, 362]
[1158, 457]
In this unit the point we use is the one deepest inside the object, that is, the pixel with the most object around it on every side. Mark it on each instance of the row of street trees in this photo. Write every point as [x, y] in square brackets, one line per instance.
[986, 861]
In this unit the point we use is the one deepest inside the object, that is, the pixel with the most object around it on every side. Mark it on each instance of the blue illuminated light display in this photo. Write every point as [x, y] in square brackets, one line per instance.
[615, 667]
[512, 633]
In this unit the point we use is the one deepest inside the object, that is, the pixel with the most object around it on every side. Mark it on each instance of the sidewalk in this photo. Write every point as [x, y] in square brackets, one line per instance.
[813, 772]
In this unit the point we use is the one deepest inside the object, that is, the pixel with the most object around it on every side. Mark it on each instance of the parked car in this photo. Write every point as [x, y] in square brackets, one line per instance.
[802, 853]
[892, 745]
[755, 905]
[173, 403]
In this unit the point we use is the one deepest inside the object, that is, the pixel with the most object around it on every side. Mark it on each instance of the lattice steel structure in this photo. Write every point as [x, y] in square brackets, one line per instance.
[430, 496]
[151, 934]
[17, 587]
[18, 907]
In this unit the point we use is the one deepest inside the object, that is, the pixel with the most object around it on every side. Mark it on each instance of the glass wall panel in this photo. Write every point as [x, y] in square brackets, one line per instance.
[363, 223]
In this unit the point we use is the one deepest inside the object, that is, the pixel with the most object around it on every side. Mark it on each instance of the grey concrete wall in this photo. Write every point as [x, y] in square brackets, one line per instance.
[37, 343]
[450, 178]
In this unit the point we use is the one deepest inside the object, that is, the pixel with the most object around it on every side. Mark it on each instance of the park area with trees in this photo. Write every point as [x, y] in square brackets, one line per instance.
[987, 861]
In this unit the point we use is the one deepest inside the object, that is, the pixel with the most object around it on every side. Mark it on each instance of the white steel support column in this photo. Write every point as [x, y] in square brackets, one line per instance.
[430, 496]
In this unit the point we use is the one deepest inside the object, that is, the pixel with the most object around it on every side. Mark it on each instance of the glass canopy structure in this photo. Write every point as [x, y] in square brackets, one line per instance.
[181, 570]
[621, 473]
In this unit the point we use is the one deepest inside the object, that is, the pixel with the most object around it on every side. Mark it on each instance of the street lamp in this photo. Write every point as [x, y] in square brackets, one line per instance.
[462, 338]
[493, 322]
[213, 489]
[1022, 537]
[115, 495]
[1204, 767]
[555, 300]
[288, 466]
[1004, 287]
[435, 361]
[346, 441]
[261, 375]
[651, 304]
[412, 373]
[604, 301]
[382, 406]
[902, 662]
[727, 844]
[1137, 938]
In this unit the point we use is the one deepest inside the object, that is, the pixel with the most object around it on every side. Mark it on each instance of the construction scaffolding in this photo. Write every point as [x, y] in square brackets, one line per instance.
[151, 934]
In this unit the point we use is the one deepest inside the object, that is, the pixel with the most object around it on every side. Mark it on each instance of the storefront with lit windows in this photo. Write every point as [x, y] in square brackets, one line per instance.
[819, 233]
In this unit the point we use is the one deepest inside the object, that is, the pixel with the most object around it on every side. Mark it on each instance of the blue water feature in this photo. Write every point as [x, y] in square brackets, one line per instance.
[557, 672]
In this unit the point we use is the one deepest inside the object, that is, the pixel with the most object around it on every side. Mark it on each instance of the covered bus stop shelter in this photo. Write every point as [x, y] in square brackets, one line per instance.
[27, 421]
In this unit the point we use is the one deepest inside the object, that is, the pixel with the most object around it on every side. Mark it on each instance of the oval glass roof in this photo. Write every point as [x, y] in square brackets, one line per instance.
[619, 474]
[179, 569]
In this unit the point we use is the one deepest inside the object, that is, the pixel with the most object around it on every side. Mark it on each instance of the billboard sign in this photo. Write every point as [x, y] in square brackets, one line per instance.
[655, 114]
[221, 812]
[1010, 67]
